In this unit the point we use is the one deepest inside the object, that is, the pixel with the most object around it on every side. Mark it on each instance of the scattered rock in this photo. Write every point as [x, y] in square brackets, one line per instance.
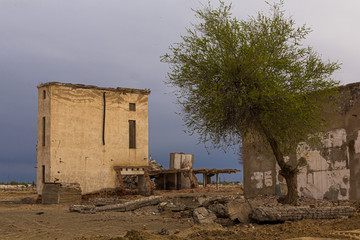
[202, 216]
[163, 231]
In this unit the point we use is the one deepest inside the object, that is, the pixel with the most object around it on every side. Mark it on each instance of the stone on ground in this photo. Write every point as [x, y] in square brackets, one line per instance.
[202, 216]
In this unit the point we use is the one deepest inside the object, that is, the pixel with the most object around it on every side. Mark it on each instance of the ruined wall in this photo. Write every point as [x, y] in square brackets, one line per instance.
[259, 167]
[84, 143]
[329, 170]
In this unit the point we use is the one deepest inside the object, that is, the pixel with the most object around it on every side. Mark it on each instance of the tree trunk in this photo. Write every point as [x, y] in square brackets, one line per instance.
[291, 182]
[287, 171]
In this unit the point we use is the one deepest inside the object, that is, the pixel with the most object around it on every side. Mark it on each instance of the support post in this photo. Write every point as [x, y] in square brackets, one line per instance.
[176, 181]
[204, 179]
[122, 190]
[164, 181]
[217, 180]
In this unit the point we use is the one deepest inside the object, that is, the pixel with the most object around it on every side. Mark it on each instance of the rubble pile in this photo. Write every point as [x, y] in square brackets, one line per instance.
[223, 209]
[153, 165]
[130, 181]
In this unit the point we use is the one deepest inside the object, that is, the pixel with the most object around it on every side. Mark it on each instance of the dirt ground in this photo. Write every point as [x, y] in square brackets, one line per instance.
[36, 221]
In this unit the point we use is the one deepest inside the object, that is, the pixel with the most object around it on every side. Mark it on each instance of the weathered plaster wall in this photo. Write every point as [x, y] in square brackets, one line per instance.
[43, 152]
[76, 149]
[326, 173]
[259, 168]
[329, 170]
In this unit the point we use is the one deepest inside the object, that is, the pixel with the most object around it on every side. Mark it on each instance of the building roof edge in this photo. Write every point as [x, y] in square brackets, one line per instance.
[118, 89]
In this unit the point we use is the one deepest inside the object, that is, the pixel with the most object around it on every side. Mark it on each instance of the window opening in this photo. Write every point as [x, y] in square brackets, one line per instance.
[132, 134]
[43, 131]
[44, 94]
[132, 107]
[43, 173]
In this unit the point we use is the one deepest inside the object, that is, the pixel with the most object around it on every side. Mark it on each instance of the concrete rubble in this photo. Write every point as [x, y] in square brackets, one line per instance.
[153, 165]
[219, 209]
[120, 207]
[202, 216]
[290, 213]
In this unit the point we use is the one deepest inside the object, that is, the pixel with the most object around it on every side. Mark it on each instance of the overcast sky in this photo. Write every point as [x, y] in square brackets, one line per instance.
[111, 43]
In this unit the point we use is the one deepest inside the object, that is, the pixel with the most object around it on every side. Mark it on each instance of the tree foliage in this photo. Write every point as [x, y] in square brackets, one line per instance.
[236, 76]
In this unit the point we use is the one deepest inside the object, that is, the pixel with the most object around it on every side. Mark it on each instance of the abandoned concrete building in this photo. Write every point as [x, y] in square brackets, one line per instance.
[89, 135]
[330, 171]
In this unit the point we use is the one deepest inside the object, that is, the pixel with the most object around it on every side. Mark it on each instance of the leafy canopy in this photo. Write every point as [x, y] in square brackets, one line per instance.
[235, 76]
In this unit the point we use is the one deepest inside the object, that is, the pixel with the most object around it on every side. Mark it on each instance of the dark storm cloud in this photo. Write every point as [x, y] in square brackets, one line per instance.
[119, 43]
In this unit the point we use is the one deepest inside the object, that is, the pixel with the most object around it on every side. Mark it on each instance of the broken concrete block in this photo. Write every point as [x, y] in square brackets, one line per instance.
[220, 210]
[202, 216]
[240, 210]
[131, 205]
[290, 213]
[82, 209]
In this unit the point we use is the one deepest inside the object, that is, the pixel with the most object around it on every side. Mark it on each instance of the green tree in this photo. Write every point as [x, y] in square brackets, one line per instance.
[235, 78]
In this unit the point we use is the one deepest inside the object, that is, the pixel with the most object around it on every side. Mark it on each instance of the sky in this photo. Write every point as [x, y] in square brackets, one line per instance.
[112, 43]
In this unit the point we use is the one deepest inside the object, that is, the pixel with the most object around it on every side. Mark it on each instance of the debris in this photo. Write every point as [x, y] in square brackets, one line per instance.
[201, 216]
[163, 231]
[121, 207]
[82, 209]
[290, 213]
[240, 210]
[153, 165]
[220, 210]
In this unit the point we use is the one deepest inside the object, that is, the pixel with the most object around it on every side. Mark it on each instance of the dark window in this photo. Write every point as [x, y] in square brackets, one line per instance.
[132, 134]
[132, 107]
[43, 131]
[43, 173]
[44, 94]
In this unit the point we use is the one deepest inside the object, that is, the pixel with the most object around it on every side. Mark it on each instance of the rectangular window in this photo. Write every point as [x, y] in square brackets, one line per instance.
[132, 134]
[44, 94]
[43, 173]
[43, 131]
[132, 107]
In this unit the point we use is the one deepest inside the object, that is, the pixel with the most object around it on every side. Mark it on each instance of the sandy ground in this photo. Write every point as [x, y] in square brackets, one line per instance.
[36, 221]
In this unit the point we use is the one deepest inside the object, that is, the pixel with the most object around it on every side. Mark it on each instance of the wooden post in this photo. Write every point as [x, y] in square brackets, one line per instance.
[204, 180]
[217, 180]
[164, 181]
[176, 180]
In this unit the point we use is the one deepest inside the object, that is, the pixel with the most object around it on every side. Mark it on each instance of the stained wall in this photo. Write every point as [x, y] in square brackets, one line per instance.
[328, 170]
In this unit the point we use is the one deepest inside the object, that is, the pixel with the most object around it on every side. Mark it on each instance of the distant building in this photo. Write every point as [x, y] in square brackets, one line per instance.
[329, 171]
[85, 134]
